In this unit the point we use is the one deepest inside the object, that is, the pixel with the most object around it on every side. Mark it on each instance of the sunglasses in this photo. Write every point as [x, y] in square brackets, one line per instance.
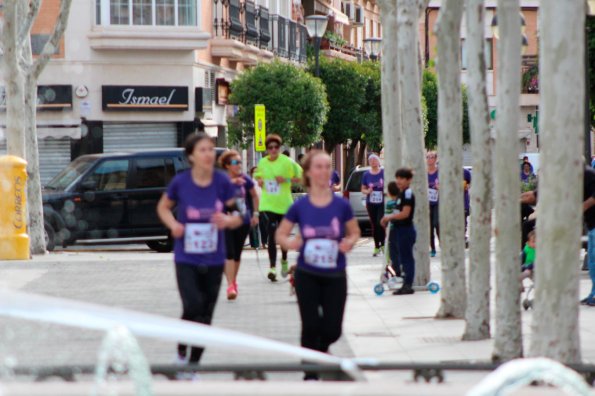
[430, 156]
[234, 162]
[273, 147]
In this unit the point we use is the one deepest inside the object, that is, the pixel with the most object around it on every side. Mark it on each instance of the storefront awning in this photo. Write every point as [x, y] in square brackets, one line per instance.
[211, 127]
[55, 132]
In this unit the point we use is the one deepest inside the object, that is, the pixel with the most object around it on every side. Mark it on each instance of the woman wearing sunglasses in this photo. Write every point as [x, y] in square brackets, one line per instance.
[246, 200]
[274, 174]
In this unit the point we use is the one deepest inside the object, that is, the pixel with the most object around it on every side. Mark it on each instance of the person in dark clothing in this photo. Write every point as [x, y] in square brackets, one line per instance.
[405, 230]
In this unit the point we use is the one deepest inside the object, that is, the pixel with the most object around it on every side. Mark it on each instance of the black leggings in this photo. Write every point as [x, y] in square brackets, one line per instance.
[321, 300]
[273, 220]
[234, 242]
[434, 225]
[376, 212]
[199, 289]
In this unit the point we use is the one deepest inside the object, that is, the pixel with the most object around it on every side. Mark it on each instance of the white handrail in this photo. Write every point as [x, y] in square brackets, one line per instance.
[520, 372]
[96, 317]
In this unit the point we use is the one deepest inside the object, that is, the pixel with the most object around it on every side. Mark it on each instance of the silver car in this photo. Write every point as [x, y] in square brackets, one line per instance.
[353, 193]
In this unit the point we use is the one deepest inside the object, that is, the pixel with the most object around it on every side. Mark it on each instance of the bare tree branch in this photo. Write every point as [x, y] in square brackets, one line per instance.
[25, 29]
[53, 42]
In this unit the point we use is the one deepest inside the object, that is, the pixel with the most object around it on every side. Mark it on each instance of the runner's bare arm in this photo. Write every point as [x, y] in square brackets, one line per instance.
[164, 212]
[352, 234]
[282, 236]
[229, 221]
[588, 204]
[255, 203]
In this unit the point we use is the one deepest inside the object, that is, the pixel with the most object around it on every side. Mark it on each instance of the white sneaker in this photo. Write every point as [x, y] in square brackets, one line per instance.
[187, 376]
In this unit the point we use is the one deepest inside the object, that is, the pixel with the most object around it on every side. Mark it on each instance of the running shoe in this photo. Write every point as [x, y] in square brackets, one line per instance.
[272, 275]
[376, 251]
[284, 268]
[406, 289]
[235, 285]
[587, 300]
[433, 253]
[231, 292]
[381, 250]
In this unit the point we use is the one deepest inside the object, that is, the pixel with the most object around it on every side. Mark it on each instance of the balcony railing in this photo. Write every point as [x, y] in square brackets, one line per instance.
[288, 38]
[241, 21]
[530, 75]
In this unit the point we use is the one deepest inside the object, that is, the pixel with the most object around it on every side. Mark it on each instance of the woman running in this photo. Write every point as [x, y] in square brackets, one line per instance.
[202, 196]
[373, 188]
[328, 230]
[246, 200]
[275, 174]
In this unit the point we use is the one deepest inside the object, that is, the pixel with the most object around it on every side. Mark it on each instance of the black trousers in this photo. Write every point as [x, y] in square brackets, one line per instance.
[321, 300]
[199, 289]
[376, 212]
[234, 242]
[273, 220]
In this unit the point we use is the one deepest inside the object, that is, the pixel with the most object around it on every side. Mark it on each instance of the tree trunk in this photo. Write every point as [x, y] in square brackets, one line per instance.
[450, 146]
[477, 315]
[361, 154]
[508, 342]
[350, 162]
[34, 198]
[13, 82]
[414, 156]
[391, 94]
[559, 223]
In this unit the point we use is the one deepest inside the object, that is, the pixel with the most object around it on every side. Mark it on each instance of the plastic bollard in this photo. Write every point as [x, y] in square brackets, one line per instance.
[14, 240]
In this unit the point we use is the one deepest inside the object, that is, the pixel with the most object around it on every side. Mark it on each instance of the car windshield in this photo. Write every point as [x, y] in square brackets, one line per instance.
[355, 183]
[65, 178]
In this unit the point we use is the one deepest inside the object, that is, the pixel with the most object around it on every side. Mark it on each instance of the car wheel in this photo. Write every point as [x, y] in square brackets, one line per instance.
[162, 246]
[50, 237]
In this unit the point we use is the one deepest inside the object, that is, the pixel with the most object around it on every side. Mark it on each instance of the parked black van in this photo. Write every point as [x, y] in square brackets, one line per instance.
[102, 197]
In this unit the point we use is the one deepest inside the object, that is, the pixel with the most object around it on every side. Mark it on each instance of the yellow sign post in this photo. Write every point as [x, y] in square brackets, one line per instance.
[260, 128]
[14, 241]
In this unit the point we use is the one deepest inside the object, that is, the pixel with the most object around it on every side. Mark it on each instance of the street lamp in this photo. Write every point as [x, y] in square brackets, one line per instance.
[372, 46]
[316, 26]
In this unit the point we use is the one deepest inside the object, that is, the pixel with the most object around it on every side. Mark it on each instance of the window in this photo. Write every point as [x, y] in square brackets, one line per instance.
[110, 175]
[489, 54]
[154, 172]
[147, 12]
[165, 12]
[38, 41]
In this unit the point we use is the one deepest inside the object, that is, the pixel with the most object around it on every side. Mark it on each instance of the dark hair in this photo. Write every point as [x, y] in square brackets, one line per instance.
[226, 157]
[193, 140]
[404, 173]
[392, 189]
[273, 138]
[251, 172]
[307, 163]
[286, 153]
[300, 157]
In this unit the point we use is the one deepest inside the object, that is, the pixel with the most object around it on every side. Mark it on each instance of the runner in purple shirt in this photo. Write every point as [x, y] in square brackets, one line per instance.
[246, 198]
[202, 197]
[373, 188]
[335, 182]
[328, 230]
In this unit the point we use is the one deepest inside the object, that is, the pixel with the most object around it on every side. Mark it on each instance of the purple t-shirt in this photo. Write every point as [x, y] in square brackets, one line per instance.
[321, 229]
[433, 188]
[244, 198]
[335, 178]
[467, 178]
[377, 183]
[202, 243]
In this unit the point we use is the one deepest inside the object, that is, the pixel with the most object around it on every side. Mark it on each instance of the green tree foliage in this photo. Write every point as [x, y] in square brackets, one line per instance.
[296, 104]
[371, 115]
[346, 91]
[430, 94]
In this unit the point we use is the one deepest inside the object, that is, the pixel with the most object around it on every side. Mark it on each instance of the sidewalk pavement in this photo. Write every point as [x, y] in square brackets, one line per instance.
[387, 328]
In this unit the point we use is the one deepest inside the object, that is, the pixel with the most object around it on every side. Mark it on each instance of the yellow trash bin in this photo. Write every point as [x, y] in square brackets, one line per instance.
[14, 241]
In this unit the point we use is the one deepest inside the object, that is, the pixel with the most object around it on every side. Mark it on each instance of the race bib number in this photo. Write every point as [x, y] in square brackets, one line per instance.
[272, 187]
[200, 238]
[376, 197]
[321, 253]
[433, 195]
